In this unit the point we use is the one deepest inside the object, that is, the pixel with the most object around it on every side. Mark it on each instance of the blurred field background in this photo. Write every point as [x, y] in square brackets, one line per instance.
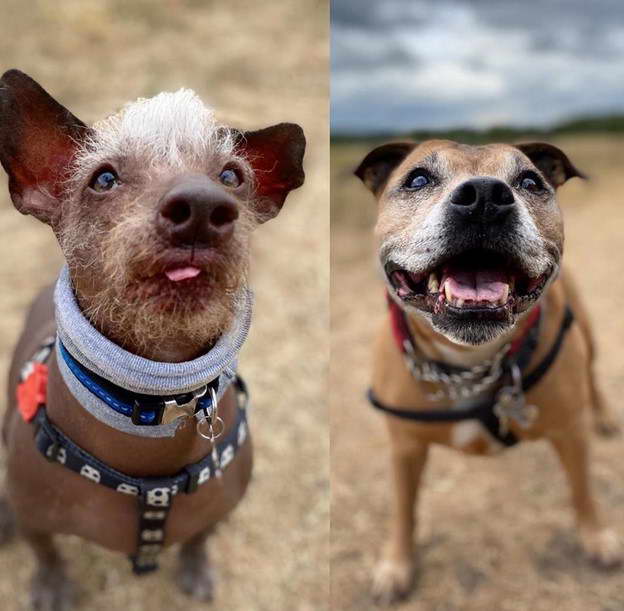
[257, 65]
[496, 534]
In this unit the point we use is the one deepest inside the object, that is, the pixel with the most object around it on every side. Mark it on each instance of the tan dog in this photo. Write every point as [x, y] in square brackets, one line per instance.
[470, 239]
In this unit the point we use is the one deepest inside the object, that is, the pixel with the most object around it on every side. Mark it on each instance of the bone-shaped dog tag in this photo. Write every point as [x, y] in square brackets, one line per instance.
[508, 406]
[511, 405]
[174, 410]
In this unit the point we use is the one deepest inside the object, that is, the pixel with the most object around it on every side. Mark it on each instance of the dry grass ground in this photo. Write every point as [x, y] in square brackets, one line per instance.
[496, 533]
[257, 63]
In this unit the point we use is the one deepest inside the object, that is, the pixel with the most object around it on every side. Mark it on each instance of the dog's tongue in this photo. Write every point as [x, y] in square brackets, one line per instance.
[182, 273]
[490, 286]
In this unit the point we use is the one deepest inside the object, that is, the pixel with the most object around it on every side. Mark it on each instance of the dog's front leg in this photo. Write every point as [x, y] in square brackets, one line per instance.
[599, 541]
[394, 575]
[7, 521]
[194, 572]
[50, 589]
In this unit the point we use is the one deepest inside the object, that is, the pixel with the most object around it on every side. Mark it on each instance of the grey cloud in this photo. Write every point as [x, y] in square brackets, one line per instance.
[410, 64]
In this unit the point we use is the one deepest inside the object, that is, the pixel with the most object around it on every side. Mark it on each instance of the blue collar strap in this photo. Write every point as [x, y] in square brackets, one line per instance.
[135, 395]
[142, 409]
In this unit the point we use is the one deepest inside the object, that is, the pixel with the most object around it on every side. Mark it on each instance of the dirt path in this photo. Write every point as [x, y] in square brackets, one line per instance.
[257, 67]
[496, 534]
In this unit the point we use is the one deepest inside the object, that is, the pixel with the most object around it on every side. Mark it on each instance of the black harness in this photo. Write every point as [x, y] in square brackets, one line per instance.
[155, 495]
[485, 412]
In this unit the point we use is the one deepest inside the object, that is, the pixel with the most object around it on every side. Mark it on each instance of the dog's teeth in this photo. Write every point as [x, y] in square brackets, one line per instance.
[505, 296]
[448, 292]
[432, 283]
[459, 303]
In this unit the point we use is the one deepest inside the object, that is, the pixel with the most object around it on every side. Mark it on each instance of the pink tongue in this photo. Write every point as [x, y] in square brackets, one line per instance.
[486, 285]
[182, 273]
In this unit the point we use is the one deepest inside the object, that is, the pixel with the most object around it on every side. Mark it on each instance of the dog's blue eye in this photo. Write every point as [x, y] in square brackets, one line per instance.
[417, 181]
[528, 184]
[531, 183]
[104, 181]
[230, 178]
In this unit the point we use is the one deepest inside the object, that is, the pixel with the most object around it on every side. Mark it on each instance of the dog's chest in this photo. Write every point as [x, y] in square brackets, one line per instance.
[471, 437]
[49, 497]
[468, 435]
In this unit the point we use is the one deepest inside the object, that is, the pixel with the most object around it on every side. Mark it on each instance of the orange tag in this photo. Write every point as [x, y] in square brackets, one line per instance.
[31, 393]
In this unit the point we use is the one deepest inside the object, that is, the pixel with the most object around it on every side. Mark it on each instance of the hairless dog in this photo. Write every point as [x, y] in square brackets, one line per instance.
[125, 422]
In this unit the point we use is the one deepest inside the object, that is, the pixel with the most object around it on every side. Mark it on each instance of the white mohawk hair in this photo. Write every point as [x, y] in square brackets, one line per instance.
[170, 128]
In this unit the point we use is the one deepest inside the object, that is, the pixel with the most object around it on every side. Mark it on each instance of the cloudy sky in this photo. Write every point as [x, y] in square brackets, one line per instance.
[401, 64]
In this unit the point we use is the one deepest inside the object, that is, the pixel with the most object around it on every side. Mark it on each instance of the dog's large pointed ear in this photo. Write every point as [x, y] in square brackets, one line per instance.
[551, 161]
[376, 167]
[276, 157]
[38, 139]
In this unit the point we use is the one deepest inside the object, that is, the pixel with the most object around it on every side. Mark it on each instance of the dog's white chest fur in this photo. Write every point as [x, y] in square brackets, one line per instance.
[466, 433]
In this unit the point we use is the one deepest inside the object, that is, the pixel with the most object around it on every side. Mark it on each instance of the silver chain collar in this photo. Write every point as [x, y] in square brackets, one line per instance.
[454, 386]
[509, 402]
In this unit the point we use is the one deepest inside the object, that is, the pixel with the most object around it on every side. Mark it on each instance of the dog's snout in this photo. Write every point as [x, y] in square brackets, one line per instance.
[197, 213]
[482, 200]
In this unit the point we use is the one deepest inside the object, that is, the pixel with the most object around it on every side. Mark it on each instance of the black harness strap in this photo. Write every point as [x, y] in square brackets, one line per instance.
[155, 501]
[539, 372]
[155, 495]
[484, 412]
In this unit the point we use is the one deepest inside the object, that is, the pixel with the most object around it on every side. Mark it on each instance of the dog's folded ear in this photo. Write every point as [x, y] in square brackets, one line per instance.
[276, 156]
[551, 161]
[38, 139]
[376, 167]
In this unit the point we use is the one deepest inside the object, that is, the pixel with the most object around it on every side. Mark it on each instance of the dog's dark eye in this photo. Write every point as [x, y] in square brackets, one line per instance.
[531, 182]
[230, 178]
[417, 180]
[104, 180]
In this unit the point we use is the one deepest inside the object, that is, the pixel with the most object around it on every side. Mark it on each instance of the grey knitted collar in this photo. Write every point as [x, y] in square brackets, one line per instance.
[135, 373]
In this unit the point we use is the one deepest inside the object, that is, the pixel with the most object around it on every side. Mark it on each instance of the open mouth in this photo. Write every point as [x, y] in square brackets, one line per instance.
[480, 283]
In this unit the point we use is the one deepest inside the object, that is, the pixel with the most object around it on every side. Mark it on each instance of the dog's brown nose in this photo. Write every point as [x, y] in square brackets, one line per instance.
[482, 200]
[196, 212]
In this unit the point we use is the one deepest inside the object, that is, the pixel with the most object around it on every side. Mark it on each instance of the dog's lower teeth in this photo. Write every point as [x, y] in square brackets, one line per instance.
[432, 284]
[448, 292]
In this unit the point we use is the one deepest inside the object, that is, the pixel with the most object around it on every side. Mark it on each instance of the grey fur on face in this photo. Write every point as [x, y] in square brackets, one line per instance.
[427, 231]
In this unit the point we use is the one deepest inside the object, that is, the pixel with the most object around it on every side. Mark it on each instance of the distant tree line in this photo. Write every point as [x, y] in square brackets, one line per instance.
[601, 124]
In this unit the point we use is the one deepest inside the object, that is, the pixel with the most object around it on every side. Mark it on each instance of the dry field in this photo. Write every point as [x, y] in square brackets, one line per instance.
[496, 533]
[258, 64]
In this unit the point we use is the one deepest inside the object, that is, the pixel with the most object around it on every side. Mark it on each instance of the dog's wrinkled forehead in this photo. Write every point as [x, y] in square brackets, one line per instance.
[173, 129]
[385, 166]
[448, 159]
